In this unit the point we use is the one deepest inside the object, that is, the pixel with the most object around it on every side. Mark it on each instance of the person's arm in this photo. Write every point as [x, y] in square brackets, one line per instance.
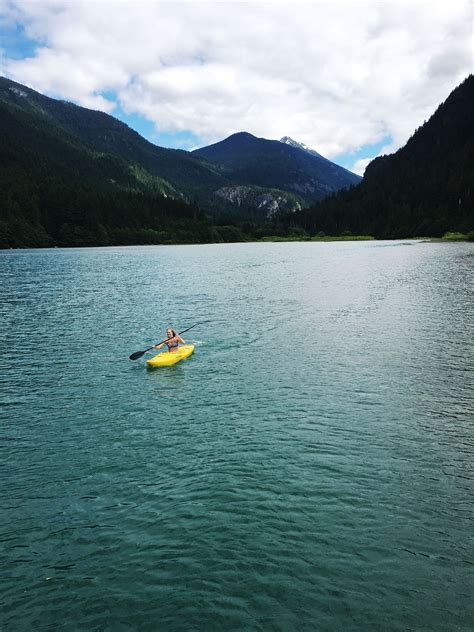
[179, 339]
[158, 346]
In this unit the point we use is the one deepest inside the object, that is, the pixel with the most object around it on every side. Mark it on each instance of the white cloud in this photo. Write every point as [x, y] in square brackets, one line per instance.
[335, 76]
[360, 165]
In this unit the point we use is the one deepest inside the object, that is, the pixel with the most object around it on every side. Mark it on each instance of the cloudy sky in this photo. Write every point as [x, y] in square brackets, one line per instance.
[349, 79]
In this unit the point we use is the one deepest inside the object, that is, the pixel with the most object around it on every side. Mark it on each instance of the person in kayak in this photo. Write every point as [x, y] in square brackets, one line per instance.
[173, 341]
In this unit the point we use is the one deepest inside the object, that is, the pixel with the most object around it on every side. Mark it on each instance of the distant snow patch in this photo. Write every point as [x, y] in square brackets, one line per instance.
[287, 140]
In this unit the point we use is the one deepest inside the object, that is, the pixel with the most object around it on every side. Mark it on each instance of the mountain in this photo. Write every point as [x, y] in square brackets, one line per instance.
[54, 190]
[248, 160]
[101, 132]
[425, 188]
[192, 177]
[74, 176]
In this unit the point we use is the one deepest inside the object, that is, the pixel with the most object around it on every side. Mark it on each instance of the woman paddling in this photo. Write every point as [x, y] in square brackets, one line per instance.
[172, 342]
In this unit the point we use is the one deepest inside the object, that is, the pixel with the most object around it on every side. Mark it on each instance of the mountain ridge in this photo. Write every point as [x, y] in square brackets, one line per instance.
[60, 186]
[189, 175]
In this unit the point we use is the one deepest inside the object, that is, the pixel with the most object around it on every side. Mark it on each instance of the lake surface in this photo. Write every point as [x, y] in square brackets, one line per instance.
[310, 467]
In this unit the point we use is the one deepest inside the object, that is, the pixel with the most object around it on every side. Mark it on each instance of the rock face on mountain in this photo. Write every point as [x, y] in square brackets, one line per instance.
[267, 203]
[287, 166]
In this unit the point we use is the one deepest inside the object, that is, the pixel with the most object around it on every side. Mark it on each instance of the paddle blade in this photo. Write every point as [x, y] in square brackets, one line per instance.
[136, 355]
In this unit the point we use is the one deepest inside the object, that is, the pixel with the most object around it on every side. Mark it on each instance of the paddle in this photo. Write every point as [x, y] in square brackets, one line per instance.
[138, 354]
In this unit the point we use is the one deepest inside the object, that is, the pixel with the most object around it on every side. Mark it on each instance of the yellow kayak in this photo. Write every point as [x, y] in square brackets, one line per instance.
[167, 358]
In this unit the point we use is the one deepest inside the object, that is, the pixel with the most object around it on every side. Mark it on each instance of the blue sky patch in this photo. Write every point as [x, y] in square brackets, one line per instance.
[184, 139]
[370, 150]
[14, 42]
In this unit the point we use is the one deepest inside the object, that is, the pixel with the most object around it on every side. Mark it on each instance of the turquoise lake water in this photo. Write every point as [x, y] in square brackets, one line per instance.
[310, 467]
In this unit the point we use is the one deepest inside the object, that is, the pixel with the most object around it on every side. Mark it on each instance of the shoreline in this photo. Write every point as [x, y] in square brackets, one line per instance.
[457, 238]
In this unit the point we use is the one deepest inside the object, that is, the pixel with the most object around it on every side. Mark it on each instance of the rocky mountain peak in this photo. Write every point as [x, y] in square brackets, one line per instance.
[287, 140]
